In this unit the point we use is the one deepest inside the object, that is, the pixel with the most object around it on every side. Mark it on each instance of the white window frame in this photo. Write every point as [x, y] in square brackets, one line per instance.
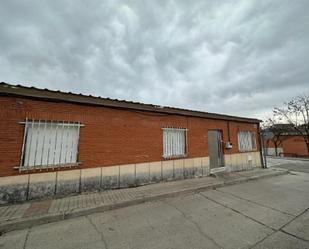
[48, 144]
[175, 142]
[246, 141]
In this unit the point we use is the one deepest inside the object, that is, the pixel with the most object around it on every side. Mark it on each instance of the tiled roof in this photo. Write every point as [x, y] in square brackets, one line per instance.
[51, 95]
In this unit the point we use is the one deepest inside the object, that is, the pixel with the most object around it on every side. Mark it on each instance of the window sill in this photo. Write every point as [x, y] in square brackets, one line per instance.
[47, 167]
[244, 151]
[174, 157]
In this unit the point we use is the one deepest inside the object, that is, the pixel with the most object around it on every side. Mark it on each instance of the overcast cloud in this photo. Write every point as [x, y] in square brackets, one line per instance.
[234, 57]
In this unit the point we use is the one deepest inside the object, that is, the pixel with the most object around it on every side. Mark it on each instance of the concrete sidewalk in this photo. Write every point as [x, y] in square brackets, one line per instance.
[28, 214]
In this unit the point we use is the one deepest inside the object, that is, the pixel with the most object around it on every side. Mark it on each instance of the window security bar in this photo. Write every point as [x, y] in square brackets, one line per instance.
[60, 123]
[49, 144]
[246, 141]
[174, 142]
[170, 128]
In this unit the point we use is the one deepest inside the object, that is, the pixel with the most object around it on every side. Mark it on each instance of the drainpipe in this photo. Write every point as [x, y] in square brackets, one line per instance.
[228, 131]
[262, 146]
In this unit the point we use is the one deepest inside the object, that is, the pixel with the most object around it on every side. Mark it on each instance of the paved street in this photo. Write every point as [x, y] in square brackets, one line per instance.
[267, 213]
[289, 164]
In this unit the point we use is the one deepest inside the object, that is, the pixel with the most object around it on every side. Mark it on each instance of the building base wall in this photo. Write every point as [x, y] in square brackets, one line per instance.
[42, 185]
[272, 151]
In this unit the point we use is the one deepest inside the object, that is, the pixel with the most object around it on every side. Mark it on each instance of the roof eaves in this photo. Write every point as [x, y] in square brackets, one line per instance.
[52, 95]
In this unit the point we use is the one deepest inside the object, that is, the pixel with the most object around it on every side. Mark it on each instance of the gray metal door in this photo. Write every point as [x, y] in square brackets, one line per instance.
[215, 149]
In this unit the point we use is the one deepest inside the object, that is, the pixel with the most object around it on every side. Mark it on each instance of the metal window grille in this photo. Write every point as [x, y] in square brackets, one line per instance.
[246, 141]
[48, 144]
[174, 142]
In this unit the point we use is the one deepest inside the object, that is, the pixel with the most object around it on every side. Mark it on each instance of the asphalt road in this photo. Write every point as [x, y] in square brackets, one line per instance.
[267, 213]
[289, 164]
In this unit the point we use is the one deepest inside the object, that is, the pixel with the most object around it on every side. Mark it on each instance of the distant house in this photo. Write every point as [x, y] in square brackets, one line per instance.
[291, 143]
[53, 143]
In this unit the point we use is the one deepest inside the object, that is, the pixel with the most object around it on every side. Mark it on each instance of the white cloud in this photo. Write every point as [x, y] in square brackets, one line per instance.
[235, 57]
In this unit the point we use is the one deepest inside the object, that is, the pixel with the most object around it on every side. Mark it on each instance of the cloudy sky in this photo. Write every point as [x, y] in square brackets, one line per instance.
[233, 57]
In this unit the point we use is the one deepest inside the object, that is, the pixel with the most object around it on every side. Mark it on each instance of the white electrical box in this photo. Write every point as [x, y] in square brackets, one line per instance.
[228, 145]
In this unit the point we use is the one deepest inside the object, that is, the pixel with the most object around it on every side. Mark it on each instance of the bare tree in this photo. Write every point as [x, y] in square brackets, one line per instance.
[278, 131]
[296, 114]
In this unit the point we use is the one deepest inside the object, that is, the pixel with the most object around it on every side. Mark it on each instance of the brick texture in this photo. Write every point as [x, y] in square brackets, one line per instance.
[111, 136]
[292, 146]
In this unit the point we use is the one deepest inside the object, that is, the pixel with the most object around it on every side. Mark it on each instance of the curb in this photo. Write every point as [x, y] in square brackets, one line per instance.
[289, 158]
[44, 219]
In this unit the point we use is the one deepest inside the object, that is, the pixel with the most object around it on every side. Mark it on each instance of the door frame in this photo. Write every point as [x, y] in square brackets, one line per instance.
[218, 168]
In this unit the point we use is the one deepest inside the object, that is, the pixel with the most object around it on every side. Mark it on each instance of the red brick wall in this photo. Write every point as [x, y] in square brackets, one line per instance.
[293, 145]
[110, 136]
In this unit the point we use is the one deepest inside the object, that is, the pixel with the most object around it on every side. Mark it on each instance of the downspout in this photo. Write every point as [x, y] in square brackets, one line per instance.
[228, 131]
[261, 144]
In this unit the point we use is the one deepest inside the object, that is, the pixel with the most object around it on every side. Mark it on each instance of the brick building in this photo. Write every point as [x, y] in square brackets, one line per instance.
[292, 145]
[55, 143]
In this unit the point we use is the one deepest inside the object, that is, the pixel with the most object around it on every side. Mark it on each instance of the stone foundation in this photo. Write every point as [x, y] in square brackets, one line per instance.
[34, 186]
